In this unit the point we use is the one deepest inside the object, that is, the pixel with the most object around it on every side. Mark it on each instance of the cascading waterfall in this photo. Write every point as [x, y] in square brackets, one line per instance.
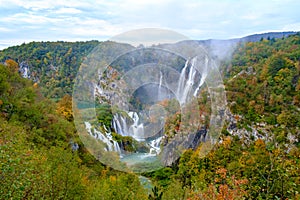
[129, 124]
[111, 145]
[120, 125]
[136, 130]
[155, 146]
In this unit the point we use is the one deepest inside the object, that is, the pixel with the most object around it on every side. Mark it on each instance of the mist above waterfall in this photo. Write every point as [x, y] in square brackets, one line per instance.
[222, 49]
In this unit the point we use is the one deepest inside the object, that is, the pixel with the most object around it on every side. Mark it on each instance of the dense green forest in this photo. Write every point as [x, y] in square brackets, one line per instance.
[258, 156]
[53, 65]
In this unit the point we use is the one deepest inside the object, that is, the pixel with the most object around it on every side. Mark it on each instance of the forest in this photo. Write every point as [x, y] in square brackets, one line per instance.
[257, 155]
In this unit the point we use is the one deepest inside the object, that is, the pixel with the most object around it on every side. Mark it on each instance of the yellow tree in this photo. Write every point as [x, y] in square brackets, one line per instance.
[64, 107]
[13, 65]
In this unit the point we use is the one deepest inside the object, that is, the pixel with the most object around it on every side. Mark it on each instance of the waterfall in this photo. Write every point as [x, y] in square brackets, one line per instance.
[24, 70]
[186, 85]
[119, 124]
[117, 147]
[159, 95]
[116, 124]
[155, 145]
[25, 73]
[181, 83]
[136, 130]
[111, 145]
[203, 77]
[98, 89]
[124, 125]
[124, 128]
[189, 83]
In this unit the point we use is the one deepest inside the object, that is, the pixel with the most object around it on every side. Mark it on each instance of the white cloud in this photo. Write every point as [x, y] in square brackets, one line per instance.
[37, 5]
[197, 19]
[294, 26]
[68, 11]
[29, 18]
[3, 29]
[89, 27]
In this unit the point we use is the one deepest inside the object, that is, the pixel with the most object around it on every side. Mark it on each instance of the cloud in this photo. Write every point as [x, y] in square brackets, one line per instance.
[90, 27]
[29, 19]
[294, 26]
[68, 11]
[3, 29]
[38, 5]
[102, 19]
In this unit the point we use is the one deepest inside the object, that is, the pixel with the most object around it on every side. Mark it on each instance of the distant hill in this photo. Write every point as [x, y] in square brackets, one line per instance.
[223, 49]
[269, 35]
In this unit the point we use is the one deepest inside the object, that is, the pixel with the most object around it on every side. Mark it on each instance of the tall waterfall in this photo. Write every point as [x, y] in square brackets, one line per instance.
[203, 76]
[181, 84]
[182, 92]
[186, 83]
[160, 92]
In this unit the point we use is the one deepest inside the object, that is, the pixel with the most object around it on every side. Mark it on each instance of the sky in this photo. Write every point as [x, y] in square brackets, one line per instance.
[71, 20]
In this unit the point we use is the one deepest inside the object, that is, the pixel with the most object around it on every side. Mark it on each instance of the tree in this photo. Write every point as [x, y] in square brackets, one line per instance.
[13, 65]
[64, 107]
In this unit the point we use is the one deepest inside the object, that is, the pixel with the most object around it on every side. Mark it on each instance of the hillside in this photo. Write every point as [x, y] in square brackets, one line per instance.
[53, 65]
[267, 36]
[262, 84]
[41, 154]
[257, 156]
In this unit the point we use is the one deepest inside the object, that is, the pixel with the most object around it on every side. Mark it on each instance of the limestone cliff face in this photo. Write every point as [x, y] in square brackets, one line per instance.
[252, 132]
[173, 148]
